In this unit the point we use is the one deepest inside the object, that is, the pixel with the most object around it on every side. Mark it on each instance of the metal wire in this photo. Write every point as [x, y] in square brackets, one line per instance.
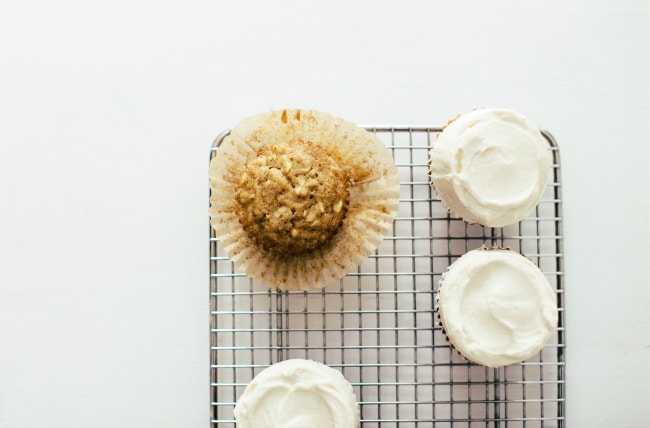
[378, 324]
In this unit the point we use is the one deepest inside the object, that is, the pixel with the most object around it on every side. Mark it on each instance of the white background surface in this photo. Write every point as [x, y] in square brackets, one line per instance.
[107, 113]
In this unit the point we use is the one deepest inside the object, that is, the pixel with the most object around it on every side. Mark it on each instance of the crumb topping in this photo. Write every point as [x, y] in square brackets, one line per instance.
[292, 197]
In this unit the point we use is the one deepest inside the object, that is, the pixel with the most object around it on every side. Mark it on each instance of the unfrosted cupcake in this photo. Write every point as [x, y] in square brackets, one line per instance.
[496, 307]
[298, 393]
[299, 198]
[490, 167]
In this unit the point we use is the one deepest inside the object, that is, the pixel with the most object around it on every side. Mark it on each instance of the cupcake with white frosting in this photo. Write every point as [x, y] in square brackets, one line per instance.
[298, 393]
[490, 167]
[496, 307]
[299, 198]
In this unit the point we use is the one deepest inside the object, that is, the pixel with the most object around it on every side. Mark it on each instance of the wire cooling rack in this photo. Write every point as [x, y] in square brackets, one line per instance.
[378, 324]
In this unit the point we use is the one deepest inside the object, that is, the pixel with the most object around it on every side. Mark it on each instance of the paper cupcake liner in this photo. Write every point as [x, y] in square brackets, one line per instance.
[373, 204]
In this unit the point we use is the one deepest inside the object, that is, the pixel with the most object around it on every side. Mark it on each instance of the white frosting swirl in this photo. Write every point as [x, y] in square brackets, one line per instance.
[496, 307]
[298, 393]
[490, 167]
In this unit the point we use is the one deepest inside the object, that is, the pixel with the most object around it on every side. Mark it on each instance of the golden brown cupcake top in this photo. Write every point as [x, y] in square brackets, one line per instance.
[292, 197]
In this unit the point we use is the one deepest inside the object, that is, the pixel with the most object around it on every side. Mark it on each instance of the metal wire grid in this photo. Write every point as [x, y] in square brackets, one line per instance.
[378, 324]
